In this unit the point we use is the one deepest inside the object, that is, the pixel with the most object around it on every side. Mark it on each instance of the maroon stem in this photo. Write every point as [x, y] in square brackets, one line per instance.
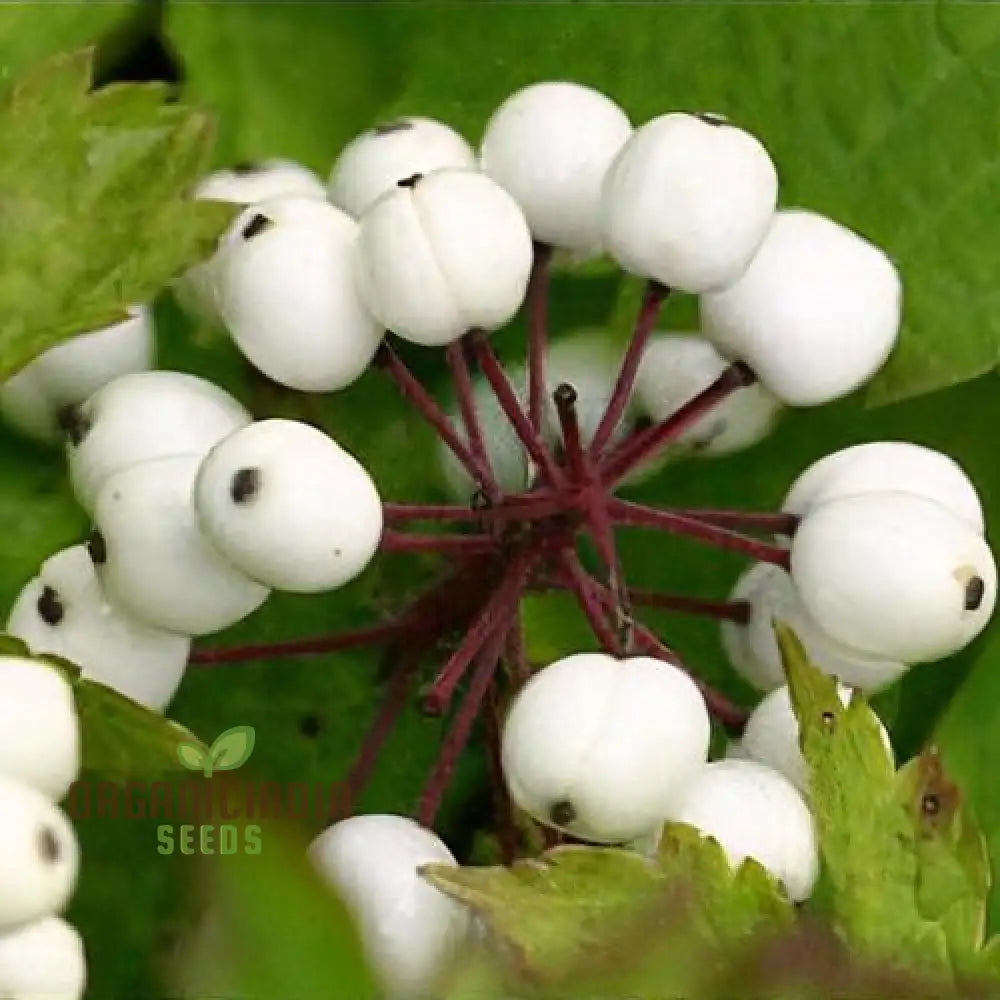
[538, 333]
[637, 515]
[652, 300]
[640, 446]
[503, 808]
[582, 585]
[353, 639]
[516, 658]
[782, 524]
[497, 608]
[461, 729]
[462, 379]
[429, 512]
[511, 406]
[471, 545]
[576, 460]
[397, 694]
[731, 611]
[422, 402]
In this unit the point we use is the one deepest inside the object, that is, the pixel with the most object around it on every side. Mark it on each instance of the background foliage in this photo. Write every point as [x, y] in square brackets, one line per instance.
[882, 115]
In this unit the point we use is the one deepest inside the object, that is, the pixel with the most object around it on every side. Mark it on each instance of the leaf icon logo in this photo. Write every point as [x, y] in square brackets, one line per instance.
[231, 750]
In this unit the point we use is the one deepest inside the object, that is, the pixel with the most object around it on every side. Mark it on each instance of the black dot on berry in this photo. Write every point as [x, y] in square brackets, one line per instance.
[562, 813]
[930, 804]
[310, 726]
[74, 423]
[711, 119]
[975, 590]
[245, 485]
[49, 846]
[388, 128]
[565, 394]
[50, 608]
[98, 548]
[409, 182]
[247, 167]
[257, 225]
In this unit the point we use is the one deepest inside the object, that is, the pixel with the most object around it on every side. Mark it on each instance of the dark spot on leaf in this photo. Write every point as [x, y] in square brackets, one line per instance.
[562, 813]
[98, 548]
[975, 589]
[257, 225]
[247, 167]
[50, 608]
[49, 847]
[409, 182]
[388, 128]
[828, 719]
[245, 485]
[74, 423]
[310, 726]
[930, 804]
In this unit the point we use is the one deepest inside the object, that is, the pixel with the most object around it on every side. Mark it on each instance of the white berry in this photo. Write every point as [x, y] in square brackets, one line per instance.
[242, 184]
[410, 930]
[442, 253]
[152, 559]
[43, 960]
[39, 856]
[288, 297]
[771, 736]
[286, 505]
[64, 611]
[753, 650]
[676, 367]
[68, 373]
[894, 575]
[815, 314]
[144, 416]
[752, 811]
[687, 201]
[887, 466]
[39, 729]
[598, 746]
[550, 146]
[376, 160]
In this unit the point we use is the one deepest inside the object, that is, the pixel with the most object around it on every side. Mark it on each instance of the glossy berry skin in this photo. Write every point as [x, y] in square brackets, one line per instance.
[242, 184]
[443, 253]
[687, 201]
[816, 313]
[894, 574]
[63, 611]
[285, 504]
[409, 929]
[39, 729]
[67, 374]
[771, 736]
[675, 367]
[287, 294]
[152, 559]
[598, 746]
[376, 160]
[550, 146]
[44, 960]
[39, 856]
[752, 811]
[887, 466]
[752, 648]
[144, 416]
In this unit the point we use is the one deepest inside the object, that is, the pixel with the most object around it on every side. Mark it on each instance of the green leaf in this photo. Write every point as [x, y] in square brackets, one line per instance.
[232, 749]
[191, 756]
[95, 199]
[293, 80]
[125, 741]
[561, 918]
[846, 143]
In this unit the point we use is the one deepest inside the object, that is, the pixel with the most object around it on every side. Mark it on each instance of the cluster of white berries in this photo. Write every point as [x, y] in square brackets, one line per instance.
[41, 955]
[889, 567]
[177, 476]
